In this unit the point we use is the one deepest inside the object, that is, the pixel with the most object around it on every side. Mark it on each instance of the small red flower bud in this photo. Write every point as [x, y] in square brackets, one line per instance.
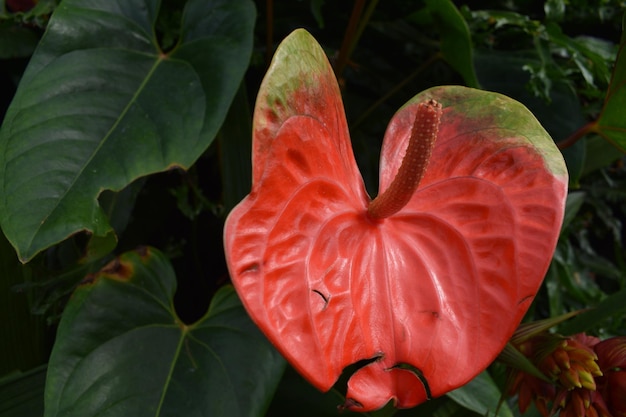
[20, 5]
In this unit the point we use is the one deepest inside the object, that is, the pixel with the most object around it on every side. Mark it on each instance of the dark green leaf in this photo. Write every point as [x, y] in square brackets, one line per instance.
[574, 201]
[316, 10]
[591, 64]
[101, 105]
[575, 157]
[21, 393]
[452, 409]
[554, 291]
[118, 205]
[571, 277]
[554, 9]
[456, 43]
[16, 41]
[500, 19]
[121, 350]
[613, 306]
[296, 397]
[22, 340]
[482, 396]
[513, 358]
[599, 154]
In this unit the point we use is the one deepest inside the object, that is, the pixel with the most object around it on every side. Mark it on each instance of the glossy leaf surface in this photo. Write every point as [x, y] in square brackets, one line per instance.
[122, 351]
[95, 110]
[482, 396]
[431, 294]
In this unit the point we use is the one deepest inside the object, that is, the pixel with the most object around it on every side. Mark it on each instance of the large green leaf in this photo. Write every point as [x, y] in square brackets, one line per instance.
[101, 104]
[482, 396]
[122, 351]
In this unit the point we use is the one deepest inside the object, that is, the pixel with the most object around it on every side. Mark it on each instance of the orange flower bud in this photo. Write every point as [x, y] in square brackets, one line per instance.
[572, 364]
[561, 356]
[569, 379]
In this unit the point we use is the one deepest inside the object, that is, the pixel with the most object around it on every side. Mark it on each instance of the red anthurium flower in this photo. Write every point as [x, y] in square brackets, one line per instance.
[430, 279]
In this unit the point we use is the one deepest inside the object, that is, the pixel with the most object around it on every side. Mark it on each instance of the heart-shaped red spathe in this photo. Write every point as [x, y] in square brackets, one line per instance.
[430, 294]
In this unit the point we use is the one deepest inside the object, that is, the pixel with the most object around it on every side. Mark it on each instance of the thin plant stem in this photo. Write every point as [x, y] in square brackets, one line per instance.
[362, 25]
[348, 39]
[395, 89]
[577, 135]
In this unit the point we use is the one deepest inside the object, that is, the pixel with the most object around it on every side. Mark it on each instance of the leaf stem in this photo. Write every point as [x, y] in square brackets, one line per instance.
[349, 38]
[362, 25]
[577, 135]
[394, 90]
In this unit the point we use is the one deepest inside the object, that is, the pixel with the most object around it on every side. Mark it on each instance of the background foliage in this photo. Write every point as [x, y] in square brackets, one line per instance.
[188, 74]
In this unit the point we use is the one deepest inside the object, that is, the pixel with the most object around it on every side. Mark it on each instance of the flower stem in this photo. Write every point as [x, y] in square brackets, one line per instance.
[397, 88]
[414, 163]
[577, 135]
[349, 38]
